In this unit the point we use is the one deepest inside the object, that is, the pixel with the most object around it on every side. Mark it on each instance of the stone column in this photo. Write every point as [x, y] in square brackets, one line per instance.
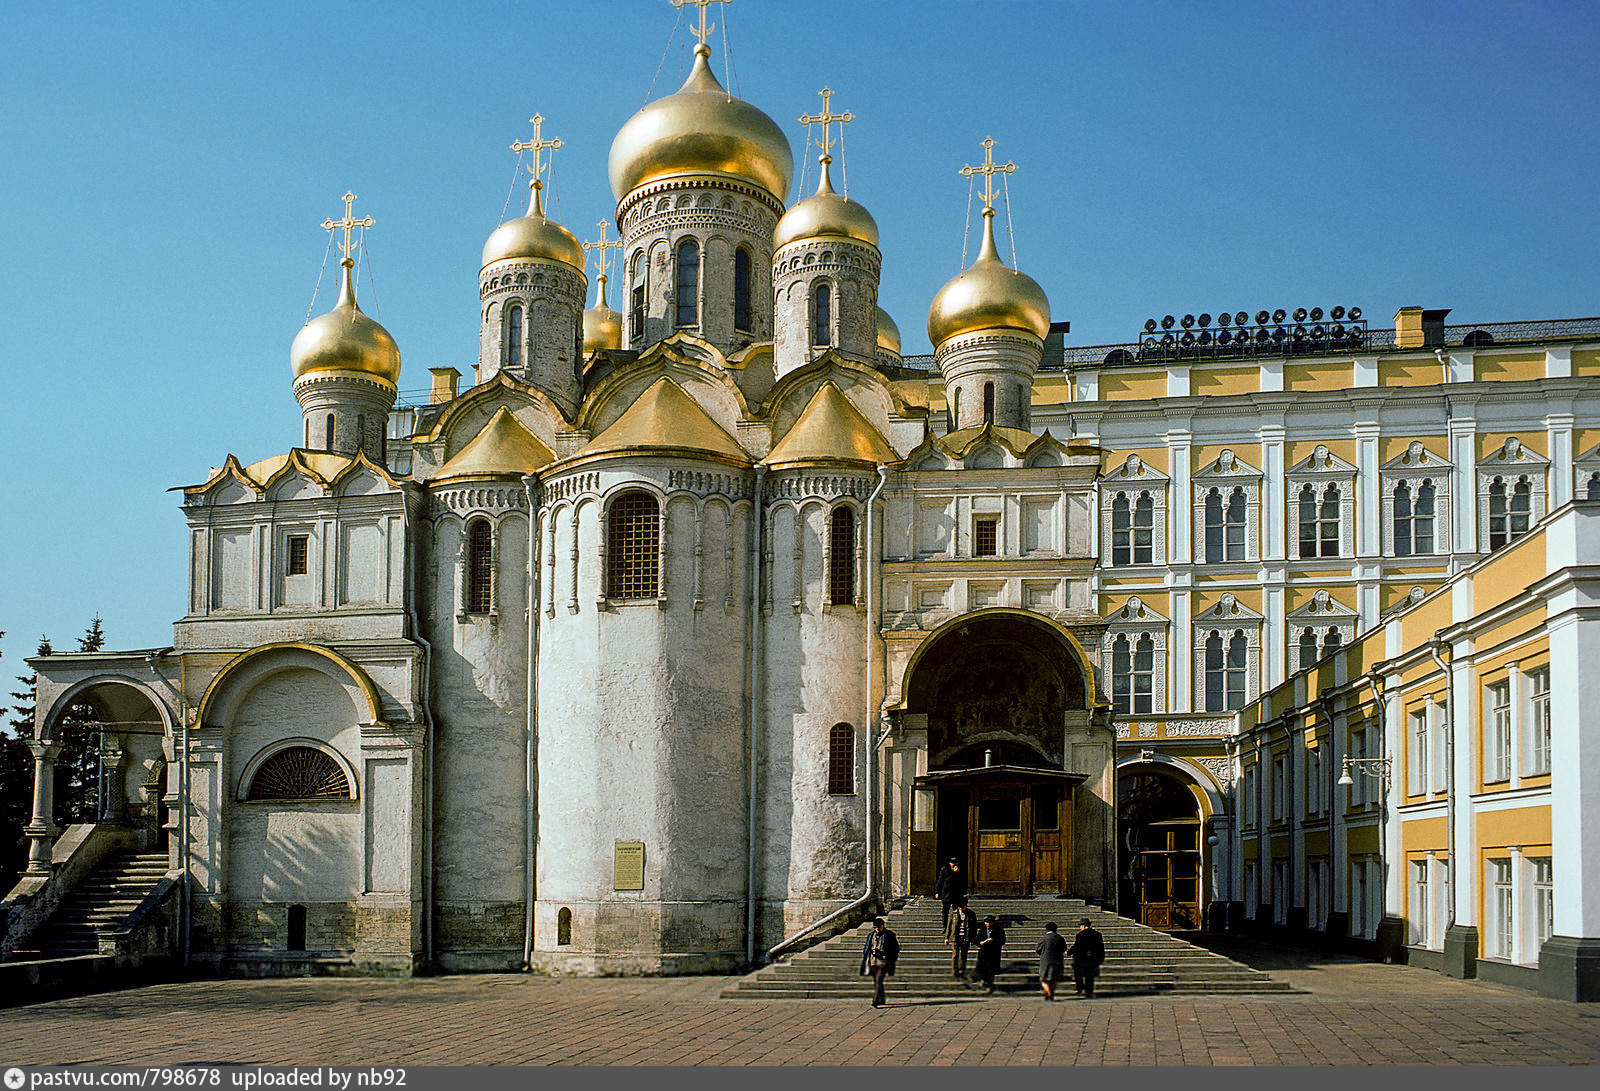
[113, 797]
[42, 830]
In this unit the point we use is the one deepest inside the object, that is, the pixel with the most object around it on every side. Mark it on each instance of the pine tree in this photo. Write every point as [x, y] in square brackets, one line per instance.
[16, 801]
[77, 795]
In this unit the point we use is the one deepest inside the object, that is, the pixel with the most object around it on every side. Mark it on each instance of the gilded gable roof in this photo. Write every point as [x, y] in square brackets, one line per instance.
[665, 418]
[831, 429]
[503, 448]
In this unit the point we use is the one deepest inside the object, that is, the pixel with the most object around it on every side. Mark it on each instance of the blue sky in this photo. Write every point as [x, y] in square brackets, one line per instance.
[167, 165]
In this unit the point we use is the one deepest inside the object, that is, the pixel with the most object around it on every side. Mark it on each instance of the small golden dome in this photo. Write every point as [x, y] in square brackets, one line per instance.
[989, 295]
[534, 237]
[888, 333]
[602, 329]
[826, 213]
[345, 339]
[701, 130]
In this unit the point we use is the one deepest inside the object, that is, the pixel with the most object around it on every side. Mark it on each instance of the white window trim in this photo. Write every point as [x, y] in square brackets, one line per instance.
[1225, 617]
[1130, 479]
[1584, 467]
[1133, 620]
[1510, 462]
[1224, 474]
[1322, 613]
[1416, 465]
[1491, 741]
[1319, 470]
[1529, 721]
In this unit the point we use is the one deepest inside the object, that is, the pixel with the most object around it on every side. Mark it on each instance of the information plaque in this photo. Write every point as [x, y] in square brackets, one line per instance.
[628, 869]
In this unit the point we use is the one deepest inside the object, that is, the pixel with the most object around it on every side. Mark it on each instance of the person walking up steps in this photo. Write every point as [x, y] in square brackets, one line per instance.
[1088, 951]
[949, 887]
[991, 938]
[1052, 967]
[878, 956]
[959, 931]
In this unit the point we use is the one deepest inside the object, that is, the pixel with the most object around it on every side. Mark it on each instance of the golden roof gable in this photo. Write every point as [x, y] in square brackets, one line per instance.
[831, 429]
[665, 418]
[503, 448]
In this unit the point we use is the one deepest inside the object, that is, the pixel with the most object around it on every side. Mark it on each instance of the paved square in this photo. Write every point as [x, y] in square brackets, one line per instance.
[1353, 1013]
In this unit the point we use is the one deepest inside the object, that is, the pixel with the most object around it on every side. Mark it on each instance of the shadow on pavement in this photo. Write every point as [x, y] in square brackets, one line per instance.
[1264, 955]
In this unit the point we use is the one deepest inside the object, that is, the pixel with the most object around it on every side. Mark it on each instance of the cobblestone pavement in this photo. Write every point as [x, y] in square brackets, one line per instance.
[1352, 1013]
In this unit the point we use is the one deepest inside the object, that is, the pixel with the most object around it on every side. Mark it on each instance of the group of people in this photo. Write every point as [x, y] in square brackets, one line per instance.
[963, 932]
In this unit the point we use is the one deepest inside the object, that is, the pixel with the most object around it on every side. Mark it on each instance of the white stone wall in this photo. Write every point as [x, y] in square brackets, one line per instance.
[850, 270]
[1007, 359]
[551, 296]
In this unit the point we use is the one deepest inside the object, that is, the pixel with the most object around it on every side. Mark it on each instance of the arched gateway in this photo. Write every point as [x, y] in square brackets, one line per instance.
[1014, 776]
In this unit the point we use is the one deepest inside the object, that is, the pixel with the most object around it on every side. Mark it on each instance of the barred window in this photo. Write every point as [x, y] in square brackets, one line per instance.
[298, 774]
[741, 290]
[299, 548]
[688, 283]
[988, 403]
[985, 536]
[842, 557]
[841, 760]
[480, 567]
[633, 542]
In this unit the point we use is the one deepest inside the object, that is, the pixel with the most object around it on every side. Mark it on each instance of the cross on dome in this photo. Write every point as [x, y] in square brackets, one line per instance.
[703, 31]
[536, 145]
[603, 257]
[348, 224]
[989, 169]
[825, 119]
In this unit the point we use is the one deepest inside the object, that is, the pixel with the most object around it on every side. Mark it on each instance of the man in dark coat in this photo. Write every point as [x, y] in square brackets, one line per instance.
[949, 887]
[1052, 967]
[991, 938]
[878, 956]
[1088, 951]
[959, 932]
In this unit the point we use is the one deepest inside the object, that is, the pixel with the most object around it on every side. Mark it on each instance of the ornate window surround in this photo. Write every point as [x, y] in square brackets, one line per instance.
[1134, 619]
[1320, 469]
[1510, 462]
[1226, 616]
[1322, 613]
[1414, 466]
[1223, 474]
[1130, 479]
[1584, 467]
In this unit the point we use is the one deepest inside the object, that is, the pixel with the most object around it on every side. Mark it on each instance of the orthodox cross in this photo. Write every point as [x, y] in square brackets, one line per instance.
[349, 224]
[602, 258]
[989, 169]
[826, 118]
[536, 145]
[704, 30]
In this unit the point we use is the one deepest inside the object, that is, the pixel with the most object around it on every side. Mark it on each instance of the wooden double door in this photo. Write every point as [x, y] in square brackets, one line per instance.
[1166, 873]
[1011, 835]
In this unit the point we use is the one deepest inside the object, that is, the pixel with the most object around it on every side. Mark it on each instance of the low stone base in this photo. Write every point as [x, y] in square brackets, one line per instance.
[50, 978]
[1460, 952]
[1569, 968]
[663, 965]
[1391, 940]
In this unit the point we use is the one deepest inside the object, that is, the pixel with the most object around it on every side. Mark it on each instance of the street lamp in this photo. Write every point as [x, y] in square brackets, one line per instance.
[1379, 770]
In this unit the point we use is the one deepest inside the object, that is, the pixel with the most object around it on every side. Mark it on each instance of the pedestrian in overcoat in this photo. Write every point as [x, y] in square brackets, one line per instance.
[1051, 950]
[991, 940]
[1087, 952]
[959, 933]
[949, 886]
[878, 957]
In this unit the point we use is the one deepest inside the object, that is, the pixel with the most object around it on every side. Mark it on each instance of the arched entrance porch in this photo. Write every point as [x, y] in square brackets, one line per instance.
[1163, 814]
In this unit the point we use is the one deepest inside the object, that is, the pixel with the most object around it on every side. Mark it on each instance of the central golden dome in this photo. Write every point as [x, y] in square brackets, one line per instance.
[701, 130]
[535, 237]
[345, 339]
[826, 213]
[989, 295]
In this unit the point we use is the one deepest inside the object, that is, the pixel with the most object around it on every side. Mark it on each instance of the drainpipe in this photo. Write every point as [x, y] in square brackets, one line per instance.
[1449, 775]
[531, 756]
[1326, 705]
[753, 629]
[870, 886]
[424, 703]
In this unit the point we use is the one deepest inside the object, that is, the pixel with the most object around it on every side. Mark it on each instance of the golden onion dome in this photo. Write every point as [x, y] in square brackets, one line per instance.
[701, 130]
[345, 339]
[888, 333]
[989, 295]
[826, 213]
[534, 237]
[602, 329]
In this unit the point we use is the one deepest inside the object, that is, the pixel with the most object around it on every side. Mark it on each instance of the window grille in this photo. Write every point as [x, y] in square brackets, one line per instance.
[299, 773]
[841, 760]
[741, 290]
[985, 537]
[299, 550]
[633, 543]
[480, 567]
[821, 316]
[688, 283]
[1133, 529]
[1413, 519]
[842, 557]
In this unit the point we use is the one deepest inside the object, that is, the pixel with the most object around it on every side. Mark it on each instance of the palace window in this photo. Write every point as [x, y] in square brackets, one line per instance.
[1413, 518]
[1497, 732]
[299, 774]
[1225, 665]
[1319, 521]
[1544, 902]
[1510, 510]
[821, 315]
[1417, 765]
[1420, 908]
[299, 555]
[985, 536]
[741, 290]
[1537, 718]
[1500, 907]
[1225, 525]
[1308, 647]
[841, 760]
[688, 283]
[1133, 673]
[842, 557]
[633, 543]
[514, 337]
[480, 567]
[1133, 529]
[636, 304]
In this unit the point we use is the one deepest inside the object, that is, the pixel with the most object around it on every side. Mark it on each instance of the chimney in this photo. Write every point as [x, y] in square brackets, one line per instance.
[1415, 328]
[445, 380]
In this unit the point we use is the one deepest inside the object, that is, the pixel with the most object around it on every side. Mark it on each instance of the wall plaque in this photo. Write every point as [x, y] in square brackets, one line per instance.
[628, 868]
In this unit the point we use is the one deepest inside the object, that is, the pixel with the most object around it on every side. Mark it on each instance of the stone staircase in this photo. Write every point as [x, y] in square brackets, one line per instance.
[1139, 960]
[101, 901]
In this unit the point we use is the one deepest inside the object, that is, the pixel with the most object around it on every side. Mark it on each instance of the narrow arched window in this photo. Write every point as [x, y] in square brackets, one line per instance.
[1328, 522]
[308, 433]
[1214, 673]
[1235, 527]
[955, 410]
[1214, 525]
[821, 315]
[330, 432]
[741, 290]
[636, 283]
[633, 542]
[1592, 492]
[564, 927]
[1133, 674]
[1308, 520]
[1498, 516]
[361, 430]
[1238, 658]
[842, 557]
[1121, 530]
[688, 283]
[514, 337]
[1308, 648]
[480, 567]
[1521, 507]
[1404, 527]
[1331, 641]
[1422, 526]
[1144, 529]
[841, 760]
[988, 403]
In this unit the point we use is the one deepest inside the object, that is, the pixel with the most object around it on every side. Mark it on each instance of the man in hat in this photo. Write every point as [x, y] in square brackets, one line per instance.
[959, 932]
[949, 886]
[991, 938]
[878, 956]
[1087, 952]
[1052, 969]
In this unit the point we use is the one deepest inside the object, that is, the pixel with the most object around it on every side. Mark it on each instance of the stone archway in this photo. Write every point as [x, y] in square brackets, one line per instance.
[104, 735]
[1162, 813]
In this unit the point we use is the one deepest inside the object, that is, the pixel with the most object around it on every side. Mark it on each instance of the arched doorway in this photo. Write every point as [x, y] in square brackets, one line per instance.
[1008, 704]
[1159, 831]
